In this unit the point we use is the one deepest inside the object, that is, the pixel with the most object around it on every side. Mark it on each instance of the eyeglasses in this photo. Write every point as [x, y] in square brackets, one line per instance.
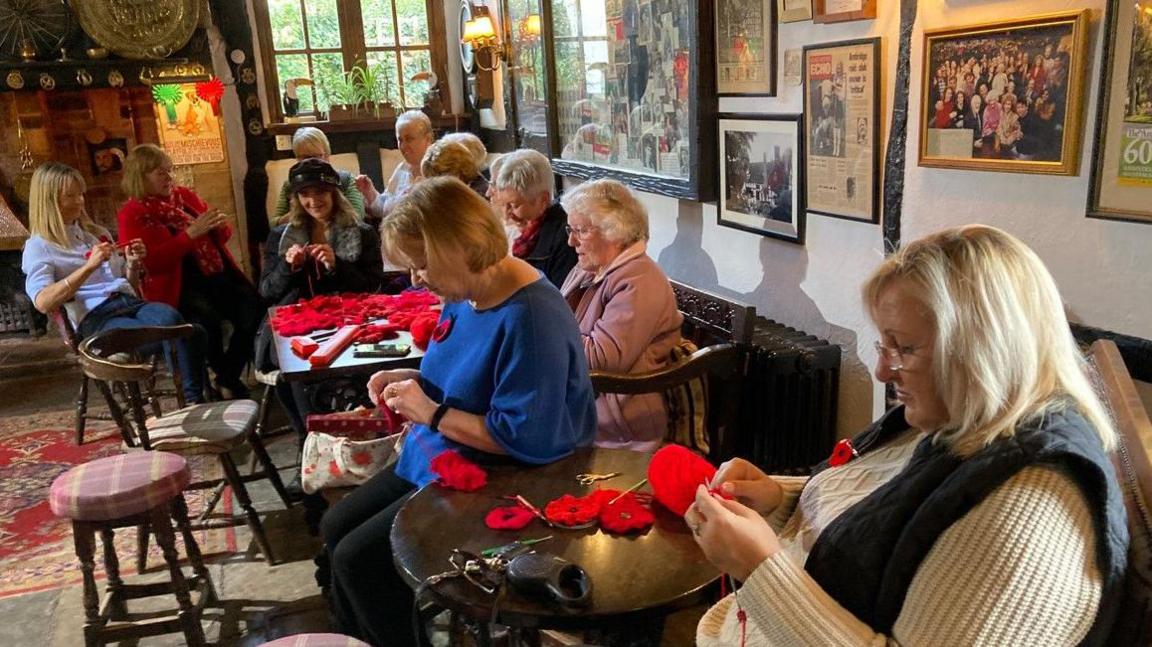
[581, 232]
[896, 355]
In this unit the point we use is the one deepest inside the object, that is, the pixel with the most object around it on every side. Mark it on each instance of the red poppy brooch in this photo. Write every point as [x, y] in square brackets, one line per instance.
[509, 517]
[457, 473]
[842, 453]
[624, 514]
[442, 329]
[573, 511]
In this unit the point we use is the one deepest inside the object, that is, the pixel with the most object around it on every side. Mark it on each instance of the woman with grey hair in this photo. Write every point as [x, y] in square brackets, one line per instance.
[413, 137]
[624, 306]
[524, 187]
[310, 142]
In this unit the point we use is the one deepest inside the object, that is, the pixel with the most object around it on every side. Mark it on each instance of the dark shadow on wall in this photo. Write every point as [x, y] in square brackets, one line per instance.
[685, 259]
[781, 297]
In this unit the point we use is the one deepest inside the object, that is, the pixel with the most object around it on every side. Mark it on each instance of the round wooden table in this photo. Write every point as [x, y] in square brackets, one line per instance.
[635, 578]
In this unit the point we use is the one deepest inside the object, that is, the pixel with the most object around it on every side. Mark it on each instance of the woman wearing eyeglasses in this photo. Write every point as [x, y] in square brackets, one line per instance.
[624, 306]
[981, 510]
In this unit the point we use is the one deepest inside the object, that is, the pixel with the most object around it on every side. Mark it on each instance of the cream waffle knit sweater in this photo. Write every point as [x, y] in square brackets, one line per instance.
[1017, 569]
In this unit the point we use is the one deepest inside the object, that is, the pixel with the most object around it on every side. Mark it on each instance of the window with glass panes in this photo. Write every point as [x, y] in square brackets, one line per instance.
[581, 41]
[322, 40]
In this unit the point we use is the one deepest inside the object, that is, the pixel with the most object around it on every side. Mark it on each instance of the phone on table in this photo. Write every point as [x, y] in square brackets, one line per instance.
[381, 350]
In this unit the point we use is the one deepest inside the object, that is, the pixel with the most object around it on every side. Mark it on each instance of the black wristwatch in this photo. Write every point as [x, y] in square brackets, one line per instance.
[434, 424]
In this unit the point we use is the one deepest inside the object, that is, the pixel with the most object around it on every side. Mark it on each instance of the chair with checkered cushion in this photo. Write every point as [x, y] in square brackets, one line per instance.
[316, 640]
[134, 489]
[215, 428]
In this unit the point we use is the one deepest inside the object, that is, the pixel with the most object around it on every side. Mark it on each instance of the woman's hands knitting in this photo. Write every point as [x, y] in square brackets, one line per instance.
[734, 537]
[748, 484]
[206, 222]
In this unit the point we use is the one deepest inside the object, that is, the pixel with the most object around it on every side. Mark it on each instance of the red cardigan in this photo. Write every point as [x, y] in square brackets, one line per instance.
[165, 257]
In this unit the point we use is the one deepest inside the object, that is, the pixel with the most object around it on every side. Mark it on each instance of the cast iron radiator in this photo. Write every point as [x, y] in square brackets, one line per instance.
[787, 417]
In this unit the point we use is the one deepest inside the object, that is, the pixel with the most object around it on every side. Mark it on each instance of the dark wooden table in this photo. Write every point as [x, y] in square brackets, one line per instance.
[635, 578]
[293, 368]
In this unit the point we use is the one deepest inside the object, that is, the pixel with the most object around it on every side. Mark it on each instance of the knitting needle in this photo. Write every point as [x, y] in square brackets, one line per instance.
[631, 489]
[533, 509]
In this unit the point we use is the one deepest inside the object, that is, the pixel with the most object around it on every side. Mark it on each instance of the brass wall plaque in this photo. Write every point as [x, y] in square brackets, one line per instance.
[139, 29]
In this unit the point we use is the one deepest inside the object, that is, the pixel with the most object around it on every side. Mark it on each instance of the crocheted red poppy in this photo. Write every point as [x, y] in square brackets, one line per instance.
[440, 333]
[842, 453]
[508, 517]
[571, 510]
[457, 472]
[626, 515]
[674, 473]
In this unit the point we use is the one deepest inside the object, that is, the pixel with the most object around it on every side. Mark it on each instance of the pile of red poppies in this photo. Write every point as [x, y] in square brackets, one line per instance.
[409, 310]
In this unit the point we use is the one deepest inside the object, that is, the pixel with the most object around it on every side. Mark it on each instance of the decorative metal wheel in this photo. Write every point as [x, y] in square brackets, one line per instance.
[46, 24]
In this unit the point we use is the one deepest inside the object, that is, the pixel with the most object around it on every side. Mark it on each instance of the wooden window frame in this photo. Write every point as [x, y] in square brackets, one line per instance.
[352, 49]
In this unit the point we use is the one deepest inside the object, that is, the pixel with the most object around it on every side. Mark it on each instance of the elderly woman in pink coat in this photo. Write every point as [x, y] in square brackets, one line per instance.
[624, 306]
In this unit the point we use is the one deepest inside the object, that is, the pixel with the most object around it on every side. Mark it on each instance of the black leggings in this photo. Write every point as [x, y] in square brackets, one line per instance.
[210, 303]
[369, 598]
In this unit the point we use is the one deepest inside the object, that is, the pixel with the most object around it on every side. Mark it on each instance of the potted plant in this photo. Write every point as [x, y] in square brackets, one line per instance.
[341, 95]
[373, 85]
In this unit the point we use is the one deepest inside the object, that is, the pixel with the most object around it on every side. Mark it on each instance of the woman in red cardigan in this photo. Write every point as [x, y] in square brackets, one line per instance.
[188, 263]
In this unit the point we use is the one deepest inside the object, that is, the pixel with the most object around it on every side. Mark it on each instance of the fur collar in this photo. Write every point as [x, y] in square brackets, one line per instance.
[345, 241]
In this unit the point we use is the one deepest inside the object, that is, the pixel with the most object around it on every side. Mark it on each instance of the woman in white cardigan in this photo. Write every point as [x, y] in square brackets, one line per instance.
[983, 510]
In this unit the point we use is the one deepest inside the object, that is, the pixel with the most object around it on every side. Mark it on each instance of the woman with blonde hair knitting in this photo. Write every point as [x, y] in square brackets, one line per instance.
[982, 510]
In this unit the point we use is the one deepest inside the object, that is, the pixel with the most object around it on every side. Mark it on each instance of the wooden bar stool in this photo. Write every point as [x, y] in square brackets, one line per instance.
[130, 490]
[316, 640]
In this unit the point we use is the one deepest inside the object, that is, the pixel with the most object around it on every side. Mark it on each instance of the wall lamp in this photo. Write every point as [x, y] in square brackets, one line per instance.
[480, 33]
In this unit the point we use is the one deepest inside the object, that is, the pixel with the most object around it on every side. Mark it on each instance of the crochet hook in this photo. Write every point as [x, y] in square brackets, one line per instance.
[639, 485]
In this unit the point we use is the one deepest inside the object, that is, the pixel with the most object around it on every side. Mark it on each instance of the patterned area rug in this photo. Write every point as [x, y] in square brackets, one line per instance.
[36, 549]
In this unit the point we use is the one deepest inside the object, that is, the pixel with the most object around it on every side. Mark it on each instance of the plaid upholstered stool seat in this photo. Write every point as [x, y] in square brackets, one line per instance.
[131, 490]
[316, 640]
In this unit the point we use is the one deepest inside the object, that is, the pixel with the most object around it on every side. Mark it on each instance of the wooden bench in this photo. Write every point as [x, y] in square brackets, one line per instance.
[1133, 462]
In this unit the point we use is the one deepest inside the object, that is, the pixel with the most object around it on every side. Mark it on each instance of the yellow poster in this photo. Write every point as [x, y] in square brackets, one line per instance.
[189, 126]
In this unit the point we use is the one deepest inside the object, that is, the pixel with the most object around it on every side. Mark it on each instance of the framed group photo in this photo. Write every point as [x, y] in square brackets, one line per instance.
[1005, 96]
[746, 47]
[1121, 187]
[842, 129]
[761, 178]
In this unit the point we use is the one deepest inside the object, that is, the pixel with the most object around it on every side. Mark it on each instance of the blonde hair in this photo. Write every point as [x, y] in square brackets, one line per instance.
[445, 220]
[449, 158]
[310, 142]
[611, 207]
[344, 214]
[473, 144]
[44, 220]
[1004, 354]
[526, 171]
[143, 159]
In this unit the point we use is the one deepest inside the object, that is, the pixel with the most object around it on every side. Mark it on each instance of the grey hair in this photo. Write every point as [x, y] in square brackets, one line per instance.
[414, 117]
[612, 208]
[310, 142]
[526, 171]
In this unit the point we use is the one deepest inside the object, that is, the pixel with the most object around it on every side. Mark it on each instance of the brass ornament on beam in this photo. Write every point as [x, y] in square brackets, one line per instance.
[47, 81]
[15, 80]
[139, 30]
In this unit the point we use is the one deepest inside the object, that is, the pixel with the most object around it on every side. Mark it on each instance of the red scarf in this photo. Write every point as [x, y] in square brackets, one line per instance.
[526, 241]
[176, 216]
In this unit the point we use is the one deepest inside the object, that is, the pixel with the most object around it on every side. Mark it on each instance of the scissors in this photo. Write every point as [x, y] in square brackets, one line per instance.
[589, 479]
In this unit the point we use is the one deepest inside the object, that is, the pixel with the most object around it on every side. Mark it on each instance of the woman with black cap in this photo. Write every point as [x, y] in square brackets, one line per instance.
[322, 249]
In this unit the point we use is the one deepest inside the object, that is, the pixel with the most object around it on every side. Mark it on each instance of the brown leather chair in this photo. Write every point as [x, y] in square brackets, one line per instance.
[1133, 462]
[215, 428]
[72, 340]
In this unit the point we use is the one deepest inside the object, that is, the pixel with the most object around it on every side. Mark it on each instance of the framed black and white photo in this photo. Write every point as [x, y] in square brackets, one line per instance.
[746, 48]
[761, 177]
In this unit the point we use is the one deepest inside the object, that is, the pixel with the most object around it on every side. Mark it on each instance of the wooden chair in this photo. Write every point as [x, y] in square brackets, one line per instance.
[72, 340]
[1133, 462]
[215, 428]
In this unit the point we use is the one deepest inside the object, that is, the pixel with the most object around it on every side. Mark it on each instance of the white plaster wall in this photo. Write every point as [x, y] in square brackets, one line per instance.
[1100, 265]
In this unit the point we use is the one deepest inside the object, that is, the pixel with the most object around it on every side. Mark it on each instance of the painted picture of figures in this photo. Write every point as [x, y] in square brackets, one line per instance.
[1005, 96]
[761, 189]
[746, 47]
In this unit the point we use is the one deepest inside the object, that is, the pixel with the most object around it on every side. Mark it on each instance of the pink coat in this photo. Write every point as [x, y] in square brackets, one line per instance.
[629, 324]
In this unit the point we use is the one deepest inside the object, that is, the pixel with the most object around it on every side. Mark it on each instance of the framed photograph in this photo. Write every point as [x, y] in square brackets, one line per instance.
[1005, 96]
[746, 48]
[842, 129]
[794, 10]
[1121, 187]
[843, 10]
[108, 156]
[761, 178]
[633, 97]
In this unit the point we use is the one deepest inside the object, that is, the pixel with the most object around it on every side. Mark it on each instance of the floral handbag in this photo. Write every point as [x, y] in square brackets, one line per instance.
[334, 461]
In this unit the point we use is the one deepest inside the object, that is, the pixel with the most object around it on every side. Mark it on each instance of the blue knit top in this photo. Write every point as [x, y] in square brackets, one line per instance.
[519, 364]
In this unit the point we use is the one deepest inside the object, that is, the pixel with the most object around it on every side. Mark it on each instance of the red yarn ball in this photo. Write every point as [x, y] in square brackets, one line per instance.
[674, 474]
